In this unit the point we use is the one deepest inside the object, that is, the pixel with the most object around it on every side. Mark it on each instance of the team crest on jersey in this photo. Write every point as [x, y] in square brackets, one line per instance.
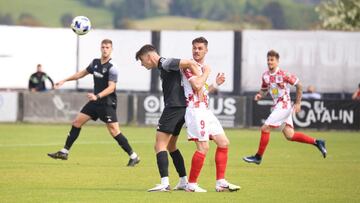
[279, 79]
[104, 70]
[95, 67]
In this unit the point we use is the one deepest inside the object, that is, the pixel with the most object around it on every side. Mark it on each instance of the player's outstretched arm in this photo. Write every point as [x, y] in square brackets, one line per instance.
[76, 76]
[297, 105]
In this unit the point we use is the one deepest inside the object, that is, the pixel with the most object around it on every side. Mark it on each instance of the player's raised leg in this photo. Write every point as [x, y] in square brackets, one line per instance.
[123, 143]
[79, 121]
[291, 135]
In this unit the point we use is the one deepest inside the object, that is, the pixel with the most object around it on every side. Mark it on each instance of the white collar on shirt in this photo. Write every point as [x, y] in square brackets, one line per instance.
[276, 70]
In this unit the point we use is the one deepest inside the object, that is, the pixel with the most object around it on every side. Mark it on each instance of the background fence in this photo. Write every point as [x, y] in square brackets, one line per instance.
[146, 108]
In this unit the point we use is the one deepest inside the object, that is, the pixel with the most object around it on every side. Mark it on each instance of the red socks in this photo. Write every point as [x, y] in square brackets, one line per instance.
[264, 140]
[221, 157]
[196, 166]
[301, 137]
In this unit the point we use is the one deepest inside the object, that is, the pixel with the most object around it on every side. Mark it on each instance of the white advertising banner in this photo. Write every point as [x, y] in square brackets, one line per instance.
[8, 106]
[132, 76]
[22, 48]
[177, 44]
[328, 60]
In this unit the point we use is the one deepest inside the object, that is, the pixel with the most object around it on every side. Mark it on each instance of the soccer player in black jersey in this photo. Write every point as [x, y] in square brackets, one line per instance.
[102, 103]
[172, 118]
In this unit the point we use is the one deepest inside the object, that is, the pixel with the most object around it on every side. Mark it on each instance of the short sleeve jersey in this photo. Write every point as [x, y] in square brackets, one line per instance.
[102, 74]
[193, 99]
[171, 82]
[278, 84]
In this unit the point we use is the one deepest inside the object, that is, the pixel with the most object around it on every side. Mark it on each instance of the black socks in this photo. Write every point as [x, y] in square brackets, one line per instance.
[73, 135]
[178, 161]
[123, 142]
[163, 163]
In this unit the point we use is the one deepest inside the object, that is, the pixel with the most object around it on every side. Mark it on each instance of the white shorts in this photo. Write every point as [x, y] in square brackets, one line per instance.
[279, 116]
[202, 124]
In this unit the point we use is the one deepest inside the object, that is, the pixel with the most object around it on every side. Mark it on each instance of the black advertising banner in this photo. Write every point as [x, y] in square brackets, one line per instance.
[319, 114]
[229, 110]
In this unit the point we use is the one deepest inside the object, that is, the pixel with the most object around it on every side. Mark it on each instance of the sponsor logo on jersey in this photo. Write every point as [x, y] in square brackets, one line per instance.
[98, 75]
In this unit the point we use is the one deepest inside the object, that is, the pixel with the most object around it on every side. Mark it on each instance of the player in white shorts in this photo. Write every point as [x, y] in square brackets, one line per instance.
[277, 83]
[202, 124]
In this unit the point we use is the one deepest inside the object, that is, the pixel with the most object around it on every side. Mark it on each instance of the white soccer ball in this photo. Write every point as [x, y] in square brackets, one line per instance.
[81, 25]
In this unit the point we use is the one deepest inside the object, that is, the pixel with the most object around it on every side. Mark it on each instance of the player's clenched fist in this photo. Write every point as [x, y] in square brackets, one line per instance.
[257, 97]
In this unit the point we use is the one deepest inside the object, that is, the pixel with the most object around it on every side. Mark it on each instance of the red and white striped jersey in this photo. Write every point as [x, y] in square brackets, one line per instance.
[278, 85]
[194, 99]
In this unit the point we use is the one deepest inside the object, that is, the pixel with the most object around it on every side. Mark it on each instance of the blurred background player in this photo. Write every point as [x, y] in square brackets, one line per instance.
[356, 94]
[37, 80]
[102, 103]
[202, 124]
[277, 82]
[311, 93]
[172, 117]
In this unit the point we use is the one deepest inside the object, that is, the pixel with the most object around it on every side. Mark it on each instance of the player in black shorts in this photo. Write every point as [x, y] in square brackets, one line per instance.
[172, 118]
[102, 103]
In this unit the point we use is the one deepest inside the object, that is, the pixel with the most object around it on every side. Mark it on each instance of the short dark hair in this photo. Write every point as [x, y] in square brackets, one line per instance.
[273, 53]
[106, 41]
[200, 40]
[144, 50]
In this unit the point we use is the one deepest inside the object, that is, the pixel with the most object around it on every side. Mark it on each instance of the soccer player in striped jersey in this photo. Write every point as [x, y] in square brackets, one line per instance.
[277, 83]
[202, 124]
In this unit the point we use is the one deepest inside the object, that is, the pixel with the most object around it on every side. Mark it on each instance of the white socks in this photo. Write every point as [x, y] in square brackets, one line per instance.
[165, 181]
[133, 155]
[64, 151]
[183, 180]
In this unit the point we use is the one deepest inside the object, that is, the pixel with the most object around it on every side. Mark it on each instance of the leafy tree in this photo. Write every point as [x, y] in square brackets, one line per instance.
[95, 3]
[340, 14]
[250, 8]
[275, 13]
[187, 8]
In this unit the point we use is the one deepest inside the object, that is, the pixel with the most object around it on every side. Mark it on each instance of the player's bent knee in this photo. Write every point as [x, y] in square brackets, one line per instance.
[171, 148]
[287, 136]
[76, 123]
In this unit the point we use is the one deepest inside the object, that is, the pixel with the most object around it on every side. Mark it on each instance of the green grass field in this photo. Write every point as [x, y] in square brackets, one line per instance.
[96, 172]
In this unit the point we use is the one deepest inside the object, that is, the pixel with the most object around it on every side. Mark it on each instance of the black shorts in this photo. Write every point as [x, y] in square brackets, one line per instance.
[172, 119]
[106, 113]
